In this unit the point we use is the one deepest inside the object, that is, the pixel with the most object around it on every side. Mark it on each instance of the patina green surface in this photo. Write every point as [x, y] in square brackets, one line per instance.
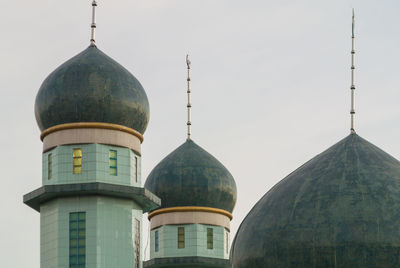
[92, 87]
[190, 176]
[340, 209]
[187, 262]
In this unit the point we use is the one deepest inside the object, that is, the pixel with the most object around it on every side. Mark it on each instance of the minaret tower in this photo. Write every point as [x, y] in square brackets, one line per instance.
[92, 113]
[192, 226]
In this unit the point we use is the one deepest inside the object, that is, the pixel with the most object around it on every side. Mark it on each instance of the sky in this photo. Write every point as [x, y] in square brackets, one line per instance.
[270, 86]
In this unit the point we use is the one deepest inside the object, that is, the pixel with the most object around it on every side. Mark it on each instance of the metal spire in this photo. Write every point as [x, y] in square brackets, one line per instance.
[352, 87]
[93, 25]
[188, 95]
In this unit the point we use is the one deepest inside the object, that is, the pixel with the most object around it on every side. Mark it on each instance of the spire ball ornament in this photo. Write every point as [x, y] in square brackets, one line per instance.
[352, 87]
[188, 63]
[93, 25]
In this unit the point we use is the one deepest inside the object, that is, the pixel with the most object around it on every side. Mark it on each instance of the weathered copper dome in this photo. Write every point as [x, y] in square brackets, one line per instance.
[340, 209]
[92, 87]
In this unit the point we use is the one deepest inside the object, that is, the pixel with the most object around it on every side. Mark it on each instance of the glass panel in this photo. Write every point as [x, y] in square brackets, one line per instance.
[210, 238]
[181, 237]
[73, 242]
[77, 161]
[81, 259]
[77, 153]
[113, 154]
[73, 225]
[72, 260]
[113, 171]
[49, 165]
[113, 163]
[136, 169]
[156, 241]
[82, 233]
[77, 170]
[77, 240]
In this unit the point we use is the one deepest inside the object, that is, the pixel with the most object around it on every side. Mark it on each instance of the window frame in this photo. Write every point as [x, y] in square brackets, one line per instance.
[76, 155]
[156, 241]
[110, 159]
[49, 166]
[181, 237]
[210, 238]
[77, 239]
[136, 168]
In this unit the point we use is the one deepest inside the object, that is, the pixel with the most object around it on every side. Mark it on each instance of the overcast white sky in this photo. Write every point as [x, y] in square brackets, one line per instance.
[270, 83]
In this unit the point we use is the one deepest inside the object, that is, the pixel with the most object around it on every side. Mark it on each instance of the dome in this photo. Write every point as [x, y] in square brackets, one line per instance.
[340, 209]
[190, 176]
[92, 87]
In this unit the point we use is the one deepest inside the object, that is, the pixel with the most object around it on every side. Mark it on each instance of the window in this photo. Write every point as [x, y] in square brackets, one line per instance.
[210, 238]
[137, 243]
[49, 167]
[181, 237]
[227, 242]
[113, 162]
[77, 161]
[136, 169]
[156, 241]
[77, 239]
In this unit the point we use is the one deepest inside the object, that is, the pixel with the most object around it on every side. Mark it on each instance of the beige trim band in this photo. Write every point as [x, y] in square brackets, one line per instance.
[190, 209]
[91, 125]
[91, 135]
[190, 217]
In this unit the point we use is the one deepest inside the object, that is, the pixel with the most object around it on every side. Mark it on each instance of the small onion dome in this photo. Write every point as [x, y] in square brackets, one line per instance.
[92, 87]
[340, 209]
[190, 176]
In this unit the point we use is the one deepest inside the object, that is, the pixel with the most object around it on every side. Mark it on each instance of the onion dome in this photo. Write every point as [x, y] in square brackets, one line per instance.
[340, 209]
[92, 87]
[190, 176]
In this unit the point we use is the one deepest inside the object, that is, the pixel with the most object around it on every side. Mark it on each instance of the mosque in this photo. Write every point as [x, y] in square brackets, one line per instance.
[339, 209]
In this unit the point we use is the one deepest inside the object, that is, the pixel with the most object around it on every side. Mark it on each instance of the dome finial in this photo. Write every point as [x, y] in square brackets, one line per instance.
[93, 25]
[352, 87]
[188, 94]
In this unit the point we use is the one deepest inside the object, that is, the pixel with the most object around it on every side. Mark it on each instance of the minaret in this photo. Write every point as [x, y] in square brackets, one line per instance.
[192, 226]
[91, 200]
[352, 87]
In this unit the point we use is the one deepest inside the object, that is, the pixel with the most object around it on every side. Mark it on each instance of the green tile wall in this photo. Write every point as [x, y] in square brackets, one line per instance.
[109, 231]
[195, 241]
[95, 165]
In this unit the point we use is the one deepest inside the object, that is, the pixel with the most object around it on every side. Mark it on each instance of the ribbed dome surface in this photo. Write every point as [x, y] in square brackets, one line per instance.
[340, 209]
[190, 176]
[92, 87]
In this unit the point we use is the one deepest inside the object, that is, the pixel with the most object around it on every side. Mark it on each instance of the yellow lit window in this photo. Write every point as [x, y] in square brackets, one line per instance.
[181, 237]
[113, 162]
[77, 161]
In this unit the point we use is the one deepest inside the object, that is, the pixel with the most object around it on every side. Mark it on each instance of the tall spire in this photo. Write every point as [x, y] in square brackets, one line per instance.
[352, 87]
[188, 95]
[93, 25]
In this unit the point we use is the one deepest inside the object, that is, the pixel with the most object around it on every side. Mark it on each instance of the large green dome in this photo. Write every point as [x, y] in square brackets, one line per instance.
[340, 209]
[92, 87]
[190, 176]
